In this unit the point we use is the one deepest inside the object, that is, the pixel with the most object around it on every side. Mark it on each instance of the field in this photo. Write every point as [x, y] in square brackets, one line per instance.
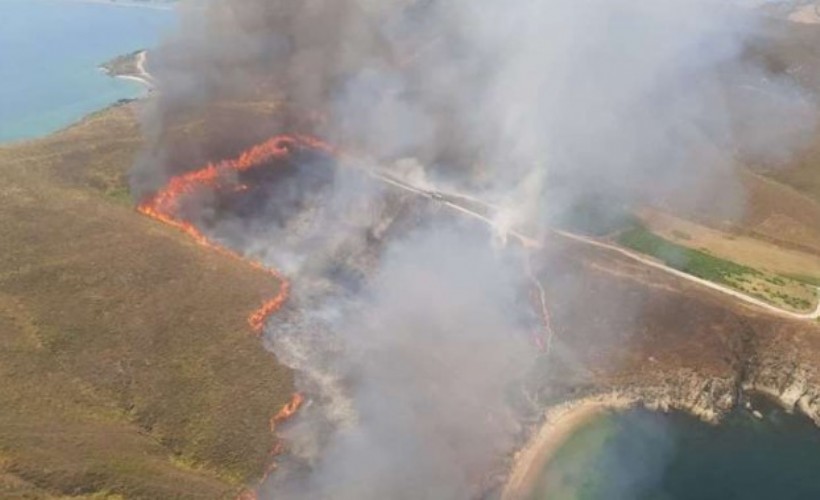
[783, 291]
[740, 248]
[127, 368]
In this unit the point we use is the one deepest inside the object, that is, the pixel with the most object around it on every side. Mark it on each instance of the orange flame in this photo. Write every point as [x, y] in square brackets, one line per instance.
[247, 495]
[287, 411]
[165, 204]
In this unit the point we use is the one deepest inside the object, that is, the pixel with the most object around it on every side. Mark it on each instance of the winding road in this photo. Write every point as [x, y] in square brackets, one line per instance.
[457, 202]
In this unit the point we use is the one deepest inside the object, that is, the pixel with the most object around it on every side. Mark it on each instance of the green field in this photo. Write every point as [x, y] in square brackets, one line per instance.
[810, 280]
[690, 261]
[788, 292]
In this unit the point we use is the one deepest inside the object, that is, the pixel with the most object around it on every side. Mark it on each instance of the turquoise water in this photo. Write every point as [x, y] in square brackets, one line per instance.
[49, 53]
[648, 456]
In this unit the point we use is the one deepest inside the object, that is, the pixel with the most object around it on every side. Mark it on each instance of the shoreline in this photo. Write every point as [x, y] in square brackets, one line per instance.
[563, 420]
[131, 67]
[142, 76]
[560, 423]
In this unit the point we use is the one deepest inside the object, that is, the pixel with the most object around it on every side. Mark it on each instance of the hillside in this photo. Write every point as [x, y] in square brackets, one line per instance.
[793, 49]
[127, 366]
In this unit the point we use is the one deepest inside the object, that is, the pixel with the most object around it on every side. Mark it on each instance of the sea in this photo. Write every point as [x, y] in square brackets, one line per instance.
[50, 51]
[643, 455]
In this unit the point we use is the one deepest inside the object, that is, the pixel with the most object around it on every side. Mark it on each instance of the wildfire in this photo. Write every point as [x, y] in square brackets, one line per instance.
[165, 204]
[278, 448]
[287, 411]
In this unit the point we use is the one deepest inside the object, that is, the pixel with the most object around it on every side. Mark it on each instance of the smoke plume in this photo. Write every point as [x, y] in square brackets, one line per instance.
[410, 331]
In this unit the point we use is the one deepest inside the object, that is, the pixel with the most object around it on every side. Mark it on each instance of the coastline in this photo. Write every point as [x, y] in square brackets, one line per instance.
[560, 423]
[142, 75]
[131, 67]
[705, 398]
[564, 420]
[35, 105]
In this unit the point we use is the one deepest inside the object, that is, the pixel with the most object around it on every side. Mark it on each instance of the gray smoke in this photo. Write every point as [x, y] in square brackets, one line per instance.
[428, 363]
[407, 327]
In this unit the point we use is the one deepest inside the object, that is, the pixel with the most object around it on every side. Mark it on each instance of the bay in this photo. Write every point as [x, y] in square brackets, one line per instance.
[50, 51]
[641, 455]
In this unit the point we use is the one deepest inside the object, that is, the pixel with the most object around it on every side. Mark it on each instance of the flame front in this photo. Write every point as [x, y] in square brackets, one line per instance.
[165, 204]
[278, 448]
[165, 207]
[287, 411]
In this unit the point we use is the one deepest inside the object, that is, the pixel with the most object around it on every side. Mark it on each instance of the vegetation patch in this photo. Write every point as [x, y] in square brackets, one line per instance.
[695, 262]
[809, 280]
[784, 291]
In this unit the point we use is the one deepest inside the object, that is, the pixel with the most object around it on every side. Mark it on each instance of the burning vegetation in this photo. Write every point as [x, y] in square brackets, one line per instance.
[233, 178]
[166, 204]
[410, 332]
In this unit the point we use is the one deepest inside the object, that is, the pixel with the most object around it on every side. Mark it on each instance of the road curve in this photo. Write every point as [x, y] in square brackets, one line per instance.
[709, 284]
[448, 200]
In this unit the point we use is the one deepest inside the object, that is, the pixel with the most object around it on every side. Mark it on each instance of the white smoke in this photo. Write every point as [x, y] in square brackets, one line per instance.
[407, 328]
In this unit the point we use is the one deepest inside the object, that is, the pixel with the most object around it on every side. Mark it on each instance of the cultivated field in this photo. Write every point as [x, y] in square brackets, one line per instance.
[787, 292]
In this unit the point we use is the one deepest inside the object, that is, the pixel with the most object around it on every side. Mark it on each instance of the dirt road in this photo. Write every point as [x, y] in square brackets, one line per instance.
[452, 201]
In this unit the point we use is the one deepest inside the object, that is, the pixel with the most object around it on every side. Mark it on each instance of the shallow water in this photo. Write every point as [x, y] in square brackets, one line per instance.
[651, 456]
[50, 51]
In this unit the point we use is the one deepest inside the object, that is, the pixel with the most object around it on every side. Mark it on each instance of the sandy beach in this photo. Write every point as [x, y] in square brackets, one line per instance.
[560, 423]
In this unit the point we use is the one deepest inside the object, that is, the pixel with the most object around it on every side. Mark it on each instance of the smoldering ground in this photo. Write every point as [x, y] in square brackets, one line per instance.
[409, 335]
[428, 363]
